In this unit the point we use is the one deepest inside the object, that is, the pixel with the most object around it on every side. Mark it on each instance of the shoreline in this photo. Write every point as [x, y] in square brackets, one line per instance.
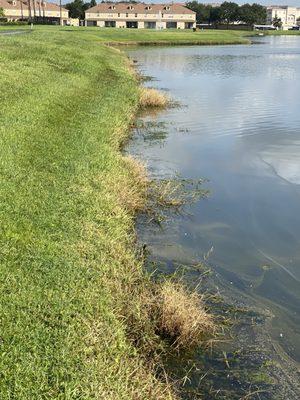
[74, 306]
[177, 43]
[277, 362]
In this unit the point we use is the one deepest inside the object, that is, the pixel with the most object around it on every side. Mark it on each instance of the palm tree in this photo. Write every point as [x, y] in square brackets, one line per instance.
[40, 11]
[29, 11]
[22, 13]
[34, 11]
[277, 22]
[60, 13]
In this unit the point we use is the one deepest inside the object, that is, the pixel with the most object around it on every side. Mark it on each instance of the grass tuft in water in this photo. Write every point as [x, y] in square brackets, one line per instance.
[153, 98]
[183, 317]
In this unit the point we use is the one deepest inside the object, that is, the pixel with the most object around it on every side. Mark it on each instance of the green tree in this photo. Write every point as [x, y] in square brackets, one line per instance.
[93, 3]
[215, 15]
[229, 12]
[202, 11]
[277, 22]
[246, 14]
[260, 13]
[77, 8]
[253, 14]
[2, 14]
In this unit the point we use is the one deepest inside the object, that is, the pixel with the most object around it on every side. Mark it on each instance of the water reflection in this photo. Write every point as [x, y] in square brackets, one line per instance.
[243, 122]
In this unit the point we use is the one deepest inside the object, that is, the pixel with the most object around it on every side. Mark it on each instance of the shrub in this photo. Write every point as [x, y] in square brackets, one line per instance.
[13, 23]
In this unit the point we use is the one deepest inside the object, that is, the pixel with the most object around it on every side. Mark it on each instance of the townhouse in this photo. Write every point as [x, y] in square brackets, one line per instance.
[24, 10]
[289, 15]
[151, 16]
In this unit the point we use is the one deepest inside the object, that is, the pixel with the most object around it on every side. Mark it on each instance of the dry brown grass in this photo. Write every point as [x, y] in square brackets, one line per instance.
[183, 317]
[153, 98]
[133, 197]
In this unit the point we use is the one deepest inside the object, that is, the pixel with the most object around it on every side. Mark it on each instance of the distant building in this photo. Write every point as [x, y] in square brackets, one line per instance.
[24, 10]
[213, 4]
[131, 15]
[288, 15]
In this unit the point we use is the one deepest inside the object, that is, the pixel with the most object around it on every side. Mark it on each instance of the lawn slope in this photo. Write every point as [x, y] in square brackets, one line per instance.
[174, 37]
[115, 36]
[68, 266]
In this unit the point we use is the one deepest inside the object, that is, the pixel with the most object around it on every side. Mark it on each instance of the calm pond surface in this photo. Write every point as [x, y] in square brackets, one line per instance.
[239, 128]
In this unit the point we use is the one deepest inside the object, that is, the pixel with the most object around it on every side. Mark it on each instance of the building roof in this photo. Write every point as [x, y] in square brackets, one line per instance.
[140, 8]
[18, 5]
[278, 7]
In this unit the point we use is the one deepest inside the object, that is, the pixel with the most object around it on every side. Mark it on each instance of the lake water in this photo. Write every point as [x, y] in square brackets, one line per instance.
[239, 128]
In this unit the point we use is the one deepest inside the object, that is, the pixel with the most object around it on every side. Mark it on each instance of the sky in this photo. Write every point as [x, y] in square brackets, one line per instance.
[263, 2]
[295, 3]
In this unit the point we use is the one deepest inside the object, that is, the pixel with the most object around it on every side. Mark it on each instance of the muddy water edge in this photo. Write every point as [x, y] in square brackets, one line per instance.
[236, 132]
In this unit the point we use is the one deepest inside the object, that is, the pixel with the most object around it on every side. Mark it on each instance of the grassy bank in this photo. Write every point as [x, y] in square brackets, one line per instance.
[177, 37]
[282, 33]
[148, 36]
[69, 273]
[115, 36]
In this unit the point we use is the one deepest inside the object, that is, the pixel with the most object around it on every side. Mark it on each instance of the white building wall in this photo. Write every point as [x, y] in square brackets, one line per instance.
[120, 24]
[288, 15]
[160, 19]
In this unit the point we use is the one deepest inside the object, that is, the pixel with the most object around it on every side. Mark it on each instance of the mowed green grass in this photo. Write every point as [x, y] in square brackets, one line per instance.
[151, 36]
[282, 33]
[173, 36]
[68, 266]
[168, 36]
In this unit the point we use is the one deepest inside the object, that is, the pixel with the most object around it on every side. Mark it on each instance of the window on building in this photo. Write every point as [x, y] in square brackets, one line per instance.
[135, 15]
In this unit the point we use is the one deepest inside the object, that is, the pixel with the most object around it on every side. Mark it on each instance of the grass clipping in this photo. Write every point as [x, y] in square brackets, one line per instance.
[182, 317]
[153, 98]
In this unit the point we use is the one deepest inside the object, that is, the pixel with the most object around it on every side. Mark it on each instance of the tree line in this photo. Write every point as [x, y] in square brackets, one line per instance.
[228, 12]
